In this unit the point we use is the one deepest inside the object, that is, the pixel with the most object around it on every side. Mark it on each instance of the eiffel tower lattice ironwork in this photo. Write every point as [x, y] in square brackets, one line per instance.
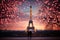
[30, 25]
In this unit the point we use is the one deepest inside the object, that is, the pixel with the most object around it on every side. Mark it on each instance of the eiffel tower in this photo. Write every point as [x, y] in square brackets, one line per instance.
[30, 25]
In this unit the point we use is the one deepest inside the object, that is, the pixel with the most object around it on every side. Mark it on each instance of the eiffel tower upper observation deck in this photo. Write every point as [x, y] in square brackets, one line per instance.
[30, 25]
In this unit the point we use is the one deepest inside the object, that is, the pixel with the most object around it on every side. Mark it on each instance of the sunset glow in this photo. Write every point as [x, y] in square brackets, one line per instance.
[14, 15]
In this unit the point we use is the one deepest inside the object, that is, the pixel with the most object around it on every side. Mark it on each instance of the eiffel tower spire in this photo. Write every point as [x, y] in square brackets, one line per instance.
[30, 12]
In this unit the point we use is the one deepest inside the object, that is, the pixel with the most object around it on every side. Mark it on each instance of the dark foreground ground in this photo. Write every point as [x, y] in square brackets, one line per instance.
[39, 33]
[22, 35]
[33, 38]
